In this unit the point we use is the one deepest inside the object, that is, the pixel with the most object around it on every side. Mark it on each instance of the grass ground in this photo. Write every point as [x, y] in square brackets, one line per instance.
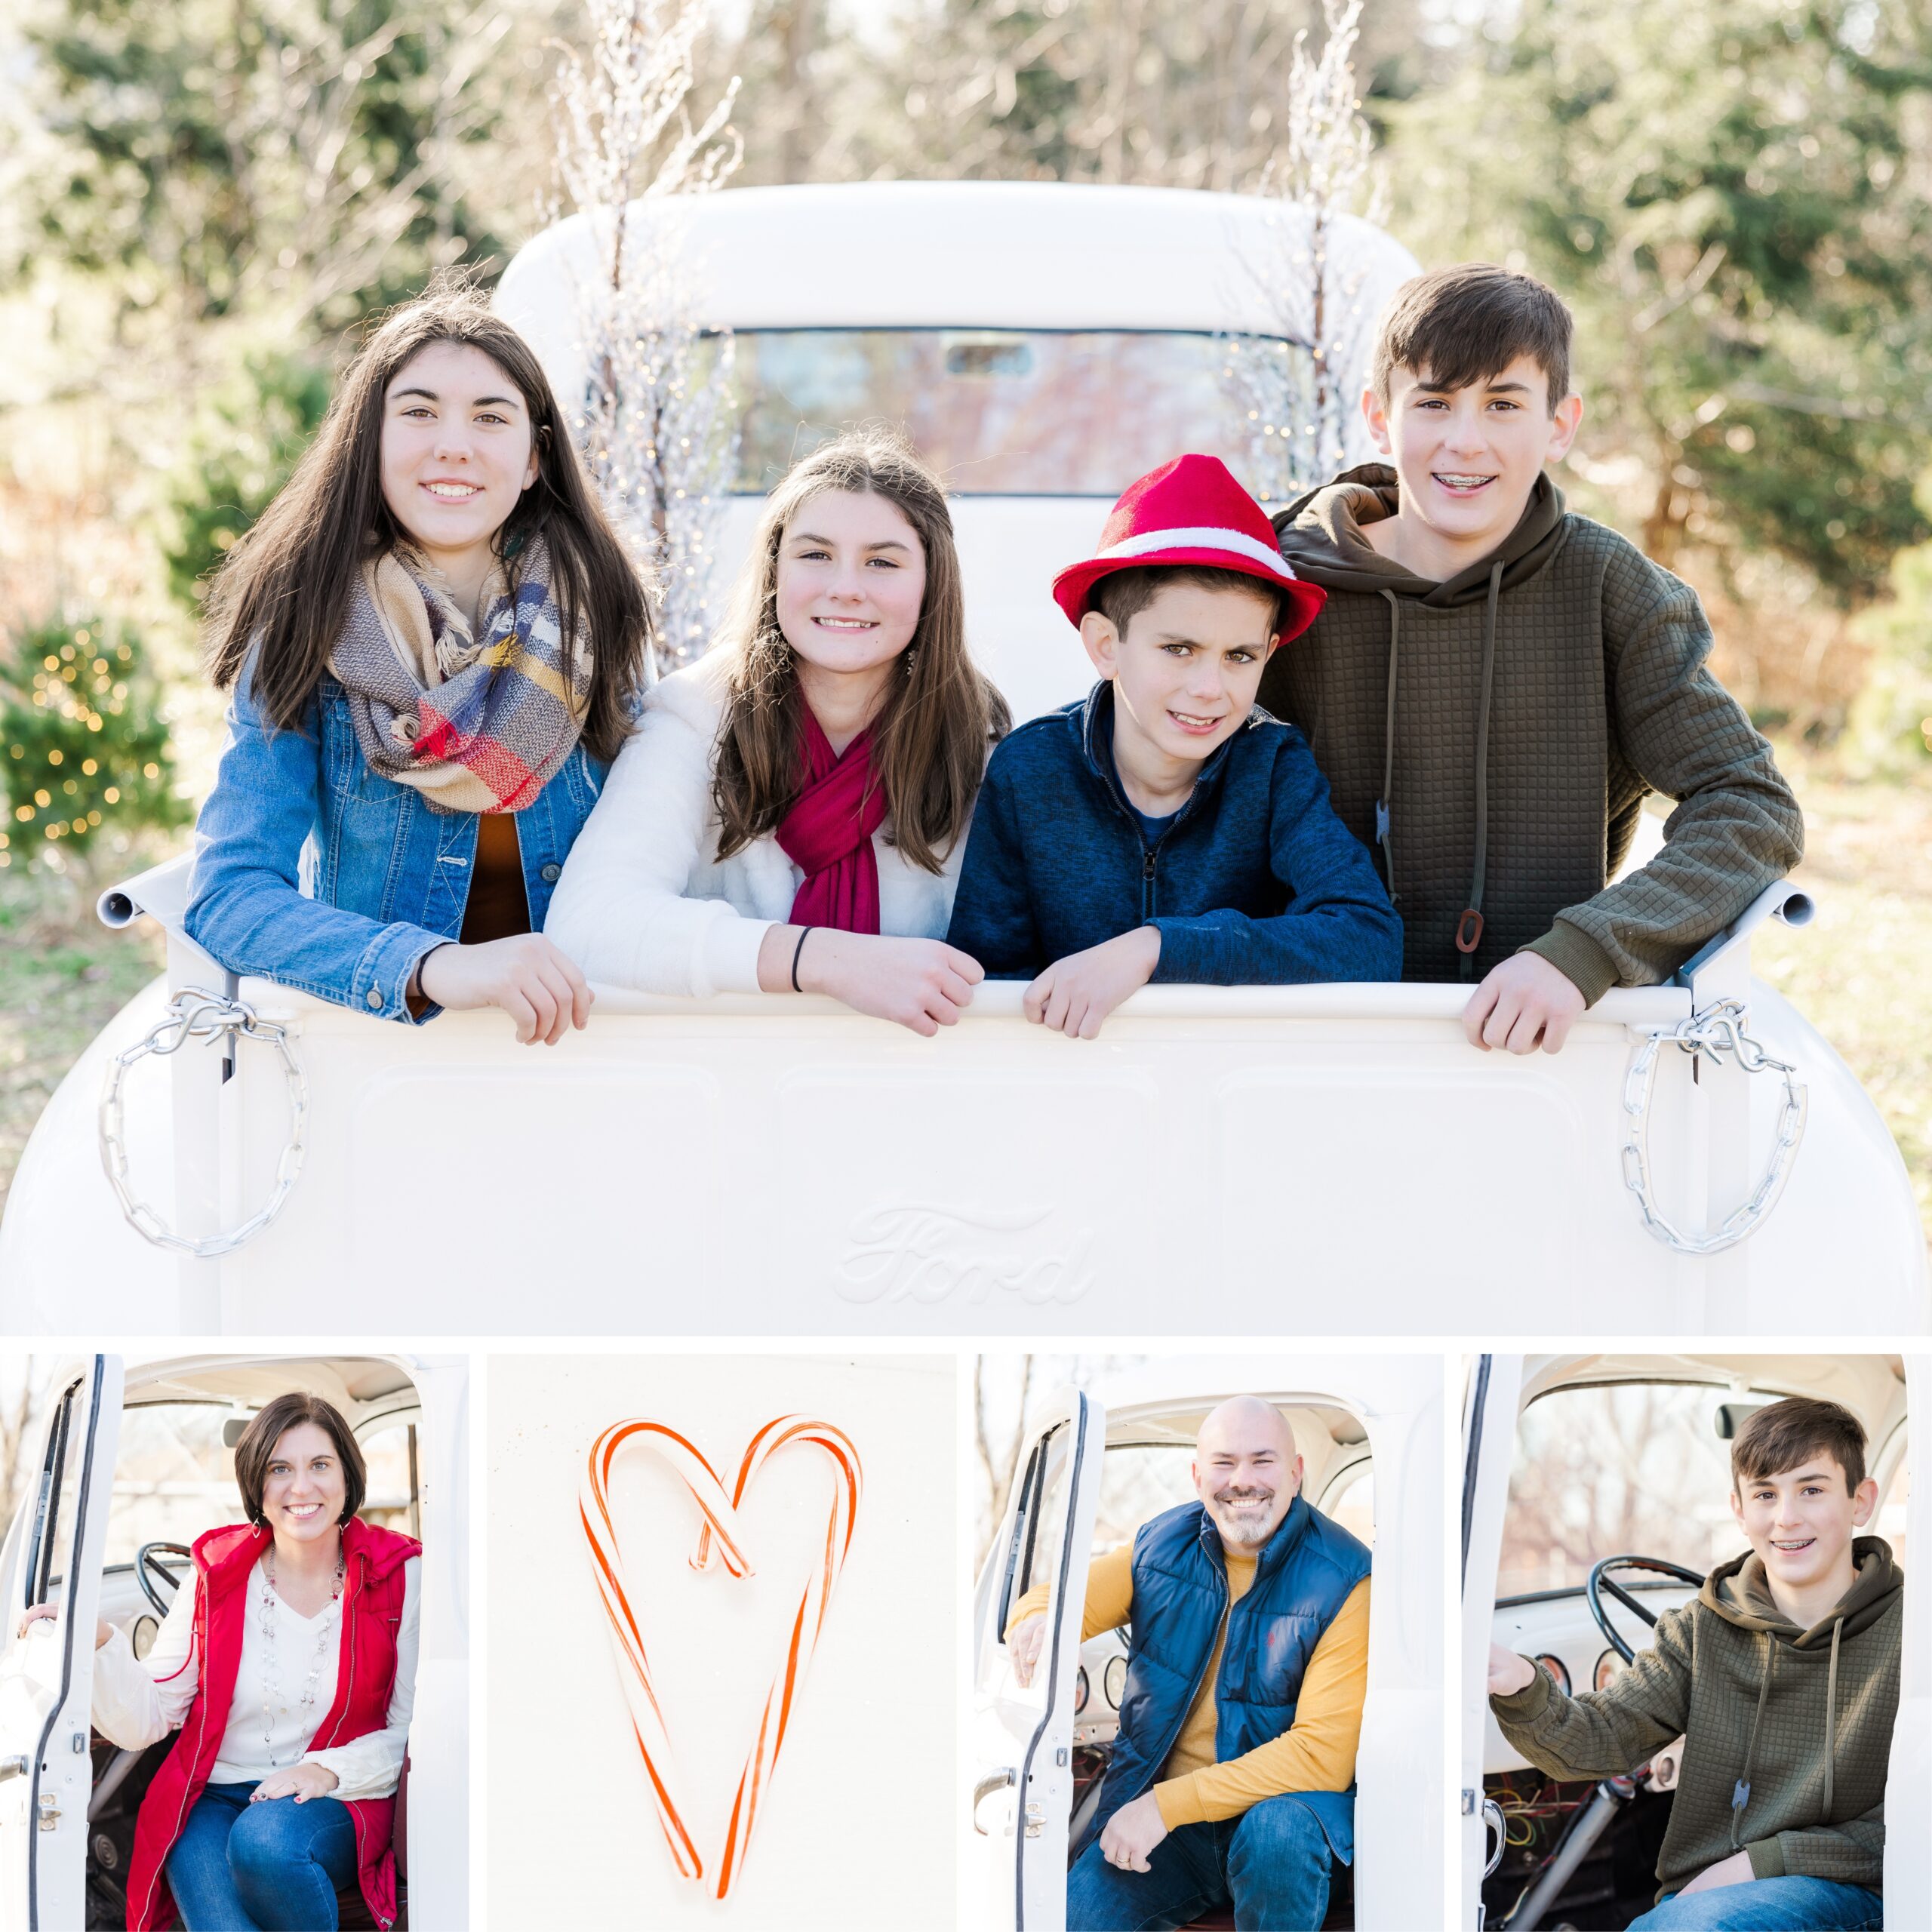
[63, 977]
[1859, 969]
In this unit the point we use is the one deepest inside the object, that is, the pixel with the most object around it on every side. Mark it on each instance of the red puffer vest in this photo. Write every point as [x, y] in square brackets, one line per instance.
[372, 1592]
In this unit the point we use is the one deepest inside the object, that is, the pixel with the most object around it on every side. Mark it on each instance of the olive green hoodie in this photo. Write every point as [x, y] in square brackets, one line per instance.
[1787, 1732]
[1511, 721]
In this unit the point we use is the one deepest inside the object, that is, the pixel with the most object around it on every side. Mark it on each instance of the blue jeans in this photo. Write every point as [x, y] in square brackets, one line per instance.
[1271, 1863]
[271, 1867]
[1768, 1905]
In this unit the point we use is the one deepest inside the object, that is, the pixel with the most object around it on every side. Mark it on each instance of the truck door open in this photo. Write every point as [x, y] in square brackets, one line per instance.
[53, 1555]
[1908, 1776]
[1023, 1735]
[1489, 1435]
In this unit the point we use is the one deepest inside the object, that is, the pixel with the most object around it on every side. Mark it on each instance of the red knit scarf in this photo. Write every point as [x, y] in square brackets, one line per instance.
[829, 832]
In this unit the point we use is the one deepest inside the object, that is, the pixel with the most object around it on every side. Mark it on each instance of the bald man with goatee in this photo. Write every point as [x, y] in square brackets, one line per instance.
[1232, 1777]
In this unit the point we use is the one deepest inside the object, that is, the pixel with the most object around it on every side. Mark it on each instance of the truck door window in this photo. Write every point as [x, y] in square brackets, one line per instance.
[1032, 1556]
[390, 1450]
[1351, 1502]
[173, 1476]
[1888, 1520]
[1626, 1466]
[59, 1484]
[1138, 1480]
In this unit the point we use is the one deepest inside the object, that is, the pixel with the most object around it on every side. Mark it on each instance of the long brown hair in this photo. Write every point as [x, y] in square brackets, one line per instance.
[287, 582]
[930, 736]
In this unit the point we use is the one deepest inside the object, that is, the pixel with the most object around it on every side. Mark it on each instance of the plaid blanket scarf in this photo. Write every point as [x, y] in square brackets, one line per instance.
[476, 723]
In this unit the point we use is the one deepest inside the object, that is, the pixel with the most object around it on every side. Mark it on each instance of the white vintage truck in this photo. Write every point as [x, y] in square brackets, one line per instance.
[1097, 1463]
[1536, 1853]
[118, 1495]
[1697, 1159]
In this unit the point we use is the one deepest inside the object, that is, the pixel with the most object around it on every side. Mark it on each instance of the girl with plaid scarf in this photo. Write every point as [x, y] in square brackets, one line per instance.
[791, 814]
[434, 645]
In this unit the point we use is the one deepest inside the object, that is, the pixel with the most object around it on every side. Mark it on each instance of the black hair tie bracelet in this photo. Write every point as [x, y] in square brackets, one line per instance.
[796, 952]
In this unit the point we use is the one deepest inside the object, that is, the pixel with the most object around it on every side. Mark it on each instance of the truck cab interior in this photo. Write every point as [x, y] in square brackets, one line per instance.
[173, 1478]
[1148, 1451]
[1618, 1506]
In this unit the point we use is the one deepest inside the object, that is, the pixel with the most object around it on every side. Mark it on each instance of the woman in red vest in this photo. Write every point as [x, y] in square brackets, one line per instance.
[289, 1670]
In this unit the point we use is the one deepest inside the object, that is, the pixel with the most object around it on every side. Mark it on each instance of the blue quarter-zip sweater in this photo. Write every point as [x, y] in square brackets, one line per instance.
[1304, 1575]
[1254, 881]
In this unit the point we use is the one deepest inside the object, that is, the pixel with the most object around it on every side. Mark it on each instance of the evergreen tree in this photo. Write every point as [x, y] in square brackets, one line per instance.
[248, 441]
[84, 745]
[295, 157]
[1723, 189]
[1180, 93]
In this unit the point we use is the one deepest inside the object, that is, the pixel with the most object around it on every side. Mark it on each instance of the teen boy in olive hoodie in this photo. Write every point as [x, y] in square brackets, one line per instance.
[1495, 683]
[1783, 1677]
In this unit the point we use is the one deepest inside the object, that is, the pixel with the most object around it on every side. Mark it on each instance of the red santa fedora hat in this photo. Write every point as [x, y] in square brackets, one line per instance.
[1190, 510]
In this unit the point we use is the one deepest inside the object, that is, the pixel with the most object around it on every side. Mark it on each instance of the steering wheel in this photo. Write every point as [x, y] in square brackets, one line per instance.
[1600, 1579]
[150, 1572]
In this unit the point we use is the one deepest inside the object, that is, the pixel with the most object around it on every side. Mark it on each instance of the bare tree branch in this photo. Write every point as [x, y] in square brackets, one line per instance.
[659, 423]
[1288, 380]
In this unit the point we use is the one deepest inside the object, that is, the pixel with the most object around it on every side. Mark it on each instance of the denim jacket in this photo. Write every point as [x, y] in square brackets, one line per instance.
[312, 869]
[1254, 882]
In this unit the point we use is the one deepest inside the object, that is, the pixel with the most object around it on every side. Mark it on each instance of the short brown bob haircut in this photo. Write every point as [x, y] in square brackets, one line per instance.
[1122, 594]
[256, 1449]
[1461, 326]
[1789, 1433]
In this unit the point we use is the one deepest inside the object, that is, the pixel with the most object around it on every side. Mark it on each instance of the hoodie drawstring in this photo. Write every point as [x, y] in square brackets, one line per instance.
[1469, 927]
[1831, 1716]
[1740, 1792]
[1382, 819]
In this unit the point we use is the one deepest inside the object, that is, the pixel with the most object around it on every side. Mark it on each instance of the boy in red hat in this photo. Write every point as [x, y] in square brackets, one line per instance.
[1495, 682]
[1164, 827]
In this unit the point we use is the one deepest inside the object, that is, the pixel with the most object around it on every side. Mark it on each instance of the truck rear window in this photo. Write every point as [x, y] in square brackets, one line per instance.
[1033, 413]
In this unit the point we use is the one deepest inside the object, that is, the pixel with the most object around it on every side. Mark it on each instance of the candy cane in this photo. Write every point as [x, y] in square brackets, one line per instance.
[719, 1517]
[653, 1742]
[806, 1625]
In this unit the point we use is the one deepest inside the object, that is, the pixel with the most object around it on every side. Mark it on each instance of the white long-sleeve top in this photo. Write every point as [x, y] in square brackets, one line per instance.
[137, 1701]
[645, 901]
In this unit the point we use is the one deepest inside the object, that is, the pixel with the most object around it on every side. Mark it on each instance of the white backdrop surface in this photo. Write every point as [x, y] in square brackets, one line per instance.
[857, 1828]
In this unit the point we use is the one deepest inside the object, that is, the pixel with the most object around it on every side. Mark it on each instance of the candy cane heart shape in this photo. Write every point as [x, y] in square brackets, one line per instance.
[718, 1539]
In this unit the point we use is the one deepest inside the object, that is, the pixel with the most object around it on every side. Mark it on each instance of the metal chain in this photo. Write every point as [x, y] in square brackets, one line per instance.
[1717, 1031]
[196, 1014]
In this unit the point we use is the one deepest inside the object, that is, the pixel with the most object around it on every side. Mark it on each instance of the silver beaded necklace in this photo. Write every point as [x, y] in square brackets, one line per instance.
[274, 1699]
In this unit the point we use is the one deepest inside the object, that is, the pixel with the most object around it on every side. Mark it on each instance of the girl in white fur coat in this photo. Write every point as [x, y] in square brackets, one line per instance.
[790, 812]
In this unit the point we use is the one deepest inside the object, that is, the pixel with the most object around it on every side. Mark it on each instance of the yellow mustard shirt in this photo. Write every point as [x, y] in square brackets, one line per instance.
[1317, 1752]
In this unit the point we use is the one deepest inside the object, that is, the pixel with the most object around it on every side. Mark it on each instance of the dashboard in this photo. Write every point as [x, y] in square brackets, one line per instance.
[1557, 1624]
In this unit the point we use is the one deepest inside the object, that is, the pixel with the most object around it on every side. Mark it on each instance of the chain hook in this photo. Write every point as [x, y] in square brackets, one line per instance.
[1718, 1030]
[195, 1013]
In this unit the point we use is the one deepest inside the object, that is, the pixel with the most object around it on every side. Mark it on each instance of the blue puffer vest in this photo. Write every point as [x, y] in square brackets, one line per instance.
[1307, 1568]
